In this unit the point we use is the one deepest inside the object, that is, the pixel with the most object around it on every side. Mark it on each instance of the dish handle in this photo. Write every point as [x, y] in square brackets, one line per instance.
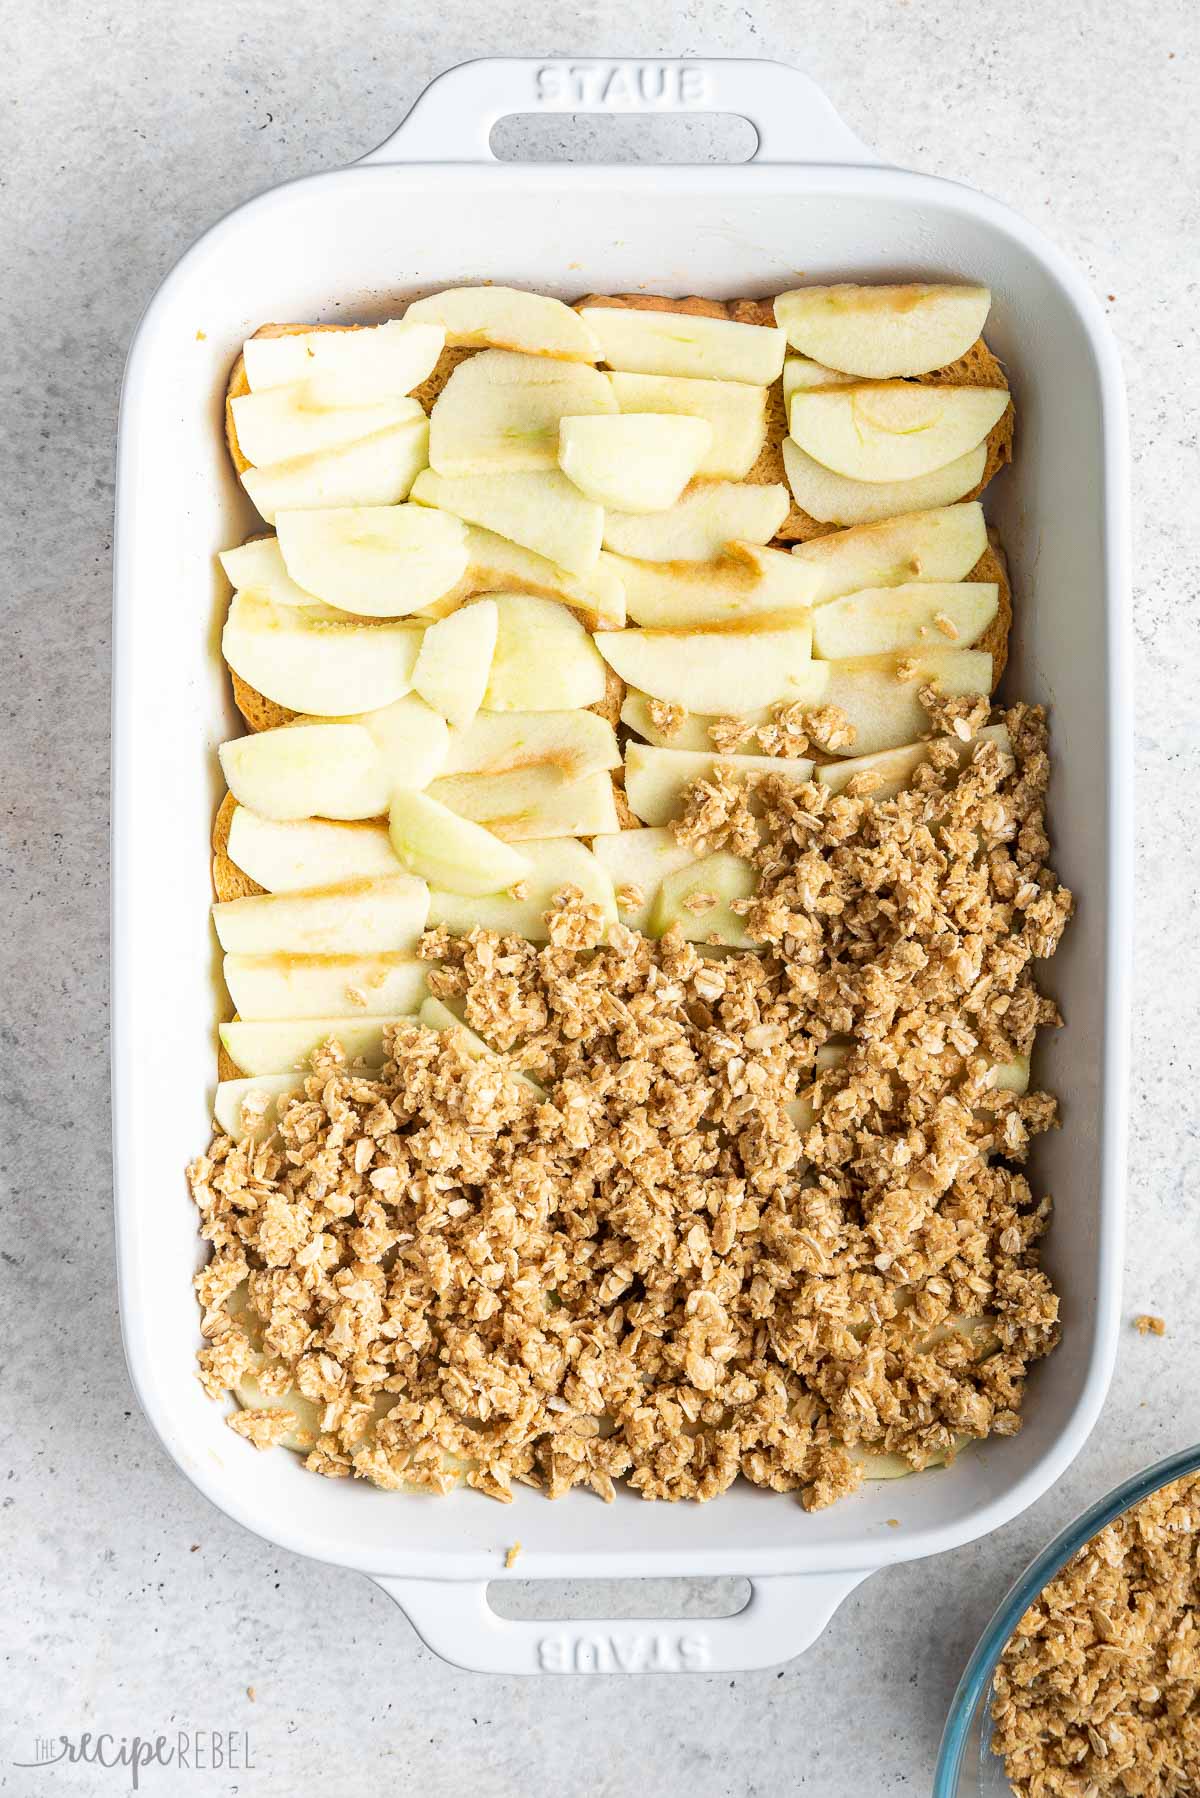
[784, 1616]
[453, 119]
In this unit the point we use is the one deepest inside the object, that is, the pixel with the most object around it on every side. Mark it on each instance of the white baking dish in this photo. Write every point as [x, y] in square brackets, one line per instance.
[428, 209]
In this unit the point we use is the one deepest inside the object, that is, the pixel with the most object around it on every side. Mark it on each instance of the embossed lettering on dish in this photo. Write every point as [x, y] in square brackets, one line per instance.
[621, 85]
[637, 1652]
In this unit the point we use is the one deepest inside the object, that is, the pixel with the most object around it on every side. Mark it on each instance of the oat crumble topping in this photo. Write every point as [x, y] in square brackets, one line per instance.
[1148, 1325]
[1096, 1692]
[703, 1253]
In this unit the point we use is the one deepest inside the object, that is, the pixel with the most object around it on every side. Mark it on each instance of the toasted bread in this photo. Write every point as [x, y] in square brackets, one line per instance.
[993, 566]
[228, 880]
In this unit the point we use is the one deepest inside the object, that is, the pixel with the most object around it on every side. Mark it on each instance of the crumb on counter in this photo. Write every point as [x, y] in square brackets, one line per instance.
[510, 1559]
[1146, 1324]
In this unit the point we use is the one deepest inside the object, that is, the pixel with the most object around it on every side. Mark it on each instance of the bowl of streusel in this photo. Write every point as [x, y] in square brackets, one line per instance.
[1086, 1682]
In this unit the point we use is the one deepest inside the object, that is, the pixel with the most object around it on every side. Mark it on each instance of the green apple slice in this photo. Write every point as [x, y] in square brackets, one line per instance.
[412, 741]
[745, 581]
[381, 561]
[892, 430]
[638, 861]
[531, 802]
[357, 917]
[380, 361]
[436, 1016]
[836, 499]
[717, 879]
[314, 659]
[554, 863]
[885, 709]
[675, 343]
[286, 1045]
[376, 471]
[500, 566]
[287, 422]
[544, 659]
[720, 672]
[543, 511]
[737, 413]
[239, 1120]
[258, 568]
[307, 771]
[500, 413]
[801, 373]
[507, 318]
[698, 526]
[574, 742]
[286, 856]
[657, 779]
[637, 461]
[325, 986]
[451, 851]
[694, 730]
[893, 769]
[939, 545]
[455, 661]
[878, 620]
[881, 331]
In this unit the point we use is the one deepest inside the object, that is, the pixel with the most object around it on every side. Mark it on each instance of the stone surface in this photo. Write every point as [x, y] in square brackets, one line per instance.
[127, 1603]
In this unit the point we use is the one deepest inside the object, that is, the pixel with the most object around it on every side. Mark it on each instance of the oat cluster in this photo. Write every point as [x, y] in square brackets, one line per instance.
[701, 1214]
[1098, 1691]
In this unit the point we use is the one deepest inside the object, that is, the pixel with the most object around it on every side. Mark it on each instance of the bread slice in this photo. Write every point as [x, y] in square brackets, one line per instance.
[978, 368]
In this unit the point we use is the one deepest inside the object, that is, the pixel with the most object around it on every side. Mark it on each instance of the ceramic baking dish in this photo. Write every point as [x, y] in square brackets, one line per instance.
[430, 208]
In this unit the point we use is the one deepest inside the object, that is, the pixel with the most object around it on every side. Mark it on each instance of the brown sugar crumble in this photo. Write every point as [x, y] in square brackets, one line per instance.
[705, 1245]
[1095, 1693]
[1147, 1325]
[510, 1559]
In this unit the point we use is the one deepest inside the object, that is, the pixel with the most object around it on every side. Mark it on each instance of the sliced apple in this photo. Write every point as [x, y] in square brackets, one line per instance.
[544, 660]
[356, 917]
[377, 362]
[553, 864]
[286, 856]
[1010, 1076]
[657, 779]
[450, 851]
[381, 561]
[892, 430]
[259, 568]
[411, 741]
[836, 499]
[716, 671]
[884, 330]
[697, 899]
[881, 619]
[891, 770]
[497, 565]
[637, 461]
[237, 1119]
[436, 1016]
[708, 516]
[746, 582]
[288, 422]
[799, 372]
[737, 413]
[325, 986]
[939, 545]
[544, 511]
[376, 471]
[574, 742]
[638, 861]
[885, 709]
[284, 1045]
[314, 659]
[694, 730]
[507, 318]
[307, 771]
[455, 661]
[676, 343]
[500, 413]
[531, 803]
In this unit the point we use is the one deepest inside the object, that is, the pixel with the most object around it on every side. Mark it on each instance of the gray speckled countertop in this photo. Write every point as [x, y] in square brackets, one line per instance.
[127, 1603]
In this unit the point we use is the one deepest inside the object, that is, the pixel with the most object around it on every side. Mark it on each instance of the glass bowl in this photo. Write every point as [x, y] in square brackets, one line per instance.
[966, 1766]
